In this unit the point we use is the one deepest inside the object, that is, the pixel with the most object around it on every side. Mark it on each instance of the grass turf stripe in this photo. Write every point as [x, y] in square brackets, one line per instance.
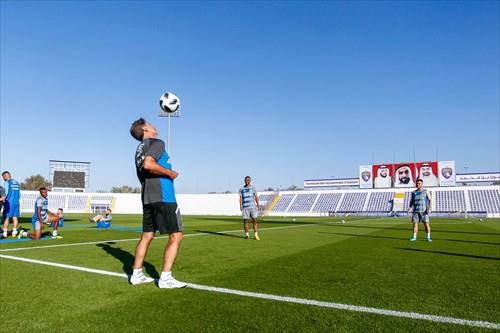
[339, 306]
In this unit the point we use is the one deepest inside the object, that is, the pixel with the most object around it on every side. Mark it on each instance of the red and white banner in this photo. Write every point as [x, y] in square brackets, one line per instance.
[382, 174]
[428, 172]
[404, 175]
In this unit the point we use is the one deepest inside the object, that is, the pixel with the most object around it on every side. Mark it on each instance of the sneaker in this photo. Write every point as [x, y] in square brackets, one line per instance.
[20, 235]
[246, 237]
[140, 279]
[256, 237]
[413, 239]
[429, 239]
[4, 235]
[171, 283]
[57, 237]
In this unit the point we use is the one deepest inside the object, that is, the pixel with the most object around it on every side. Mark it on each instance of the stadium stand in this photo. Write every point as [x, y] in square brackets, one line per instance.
[327, 202]
[284, 202]
[467, 199]
[485, 200]
[449, 201]
[380, 202]
[353, 202]
[303, 203]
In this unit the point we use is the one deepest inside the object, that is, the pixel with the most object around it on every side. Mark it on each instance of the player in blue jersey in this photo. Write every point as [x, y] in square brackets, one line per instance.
[160, 211]
[42, 216]
[249, 203]
[420, 207]
[11, 209]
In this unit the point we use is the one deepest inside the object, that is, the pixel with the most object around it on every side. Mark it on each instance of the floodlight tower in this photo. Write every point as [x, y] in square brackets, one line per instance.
[169, 116]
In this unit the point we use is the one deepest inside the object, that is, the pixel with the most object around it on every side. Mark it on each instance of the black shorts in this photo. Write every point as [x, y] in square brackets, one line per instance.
[162, 216]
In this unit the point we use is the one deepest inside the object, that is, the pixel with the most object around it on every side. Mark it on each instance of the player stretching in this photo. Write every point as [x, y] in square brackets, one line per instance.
[420, 205]
[11, 205]
[249, 202]
[159, 205]
[41, 216]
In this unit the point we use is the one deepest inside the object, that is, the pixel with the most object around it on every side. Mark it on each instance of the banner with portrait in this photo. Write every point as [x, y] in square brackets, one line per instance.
[404, 175]
[447, 173]
[365, 176]
[382, 175]
[428, 172]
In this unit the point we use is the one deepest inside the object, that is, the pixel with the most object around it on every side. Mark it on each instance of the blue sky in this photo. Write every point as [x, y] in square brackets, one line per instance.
[281, 91]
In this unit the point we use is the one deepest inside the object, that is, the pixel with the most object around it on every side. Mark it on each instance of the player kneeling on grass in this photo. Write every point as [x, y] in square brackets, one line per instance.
[42, 216]
[103, 221]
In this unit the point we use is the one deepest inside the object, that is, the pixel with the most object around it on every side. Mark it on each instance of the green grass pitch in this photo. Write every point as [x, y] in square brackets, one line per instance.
[366, 262]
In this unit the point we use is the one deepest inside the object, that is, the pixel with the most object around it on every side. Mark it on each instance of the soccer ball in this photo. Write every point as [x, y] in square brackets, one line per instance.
[169, 102]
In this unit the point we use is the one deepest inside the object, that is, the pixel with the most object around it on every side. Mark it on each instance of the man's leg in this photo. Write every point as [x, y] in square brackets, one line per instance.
[15, 223]
[414, 220]
[169, 256]
[171, 250]
[245, 227]
[141, 250]
[255, 228]
[428, 231]
[5, 226]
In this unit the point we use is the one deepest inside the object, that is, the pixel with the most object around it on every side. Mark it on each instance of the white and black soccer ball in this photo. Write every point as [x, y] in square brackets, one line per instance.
[169, 102]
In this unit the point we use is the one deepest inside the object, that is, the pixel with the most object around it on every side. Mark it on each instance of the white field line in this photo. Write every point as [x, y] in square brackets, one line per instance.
[158, 237]
[339, 306]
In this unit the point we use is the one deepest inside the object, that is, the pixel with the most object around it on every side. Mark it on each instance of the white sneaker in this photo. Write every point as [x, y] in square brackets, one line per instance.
[171, 283]
[140, 279]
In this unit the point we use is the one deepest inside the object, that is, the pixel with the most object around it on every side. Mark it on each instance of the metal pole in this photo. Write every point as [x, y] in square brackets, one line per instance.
[169, 143]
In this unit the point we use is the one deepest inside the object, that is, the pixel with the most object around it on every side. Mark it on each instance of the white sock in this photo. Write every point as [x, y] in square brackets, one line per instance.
[54, 233]
[25, 234]
[14, 231]
[428, 235]
[246, 234]
[138, 271]
[165, 275]
[5, 231]
[415, 235]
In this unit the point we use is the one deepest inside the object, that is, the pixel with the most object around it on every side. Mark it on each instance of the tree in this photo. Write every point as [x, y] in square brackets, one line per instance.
[293, 188]
[33, 183]
[125, 189]
[269, 189]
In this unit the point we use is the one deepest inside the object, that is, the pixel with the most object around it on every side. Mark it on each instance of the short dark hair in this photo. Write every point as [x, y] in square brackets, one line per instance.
[419, 180]
[137, 130]
[62, 210]
[43, 188]
[3, 173]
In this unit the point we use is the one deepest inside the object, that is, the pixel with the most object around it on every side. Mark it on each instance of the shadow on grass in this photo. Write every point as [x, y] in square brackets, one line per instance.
[127, 260]
[367, 236]
[449, 253]
[387, 237]
[218, 233]
[409, 228]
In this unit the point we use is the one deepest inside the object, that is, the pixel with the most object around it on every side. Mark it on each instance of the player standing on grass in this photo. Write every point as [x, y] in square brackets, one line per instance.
[159, 205]
[41, 216]
[249, 202]
[11, 207]
[420, 206]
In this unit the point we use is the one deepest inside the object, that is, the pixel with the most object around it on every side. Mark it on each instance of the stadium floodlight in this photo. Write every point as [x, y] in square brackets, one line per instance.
[169, 116]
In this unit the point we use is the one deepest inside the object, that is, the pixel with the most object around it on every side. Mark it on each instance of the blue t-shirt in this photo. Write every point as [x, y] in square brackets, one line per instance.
[248, 193]
[155, 188]
[44, 204]
[13, 192]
